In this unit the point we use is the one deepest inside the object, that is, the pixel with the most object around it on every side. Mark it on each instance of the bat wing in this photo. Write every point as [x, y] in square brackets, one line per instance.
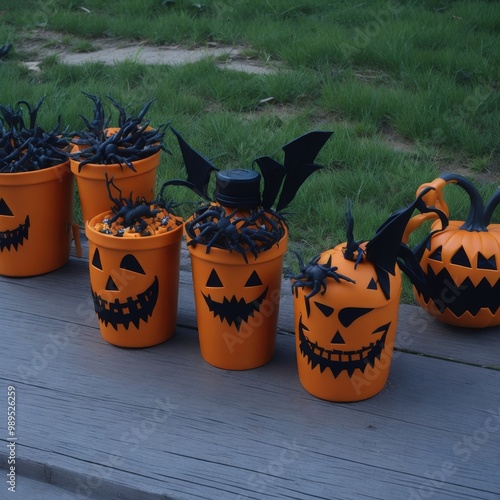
[198, 167]
[383, 249]
[299, 163]
[273, 174]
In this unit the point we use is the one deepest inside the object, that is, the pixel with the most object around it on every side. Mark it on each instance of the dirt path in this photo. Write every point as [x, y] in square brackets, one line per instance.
[42, 44]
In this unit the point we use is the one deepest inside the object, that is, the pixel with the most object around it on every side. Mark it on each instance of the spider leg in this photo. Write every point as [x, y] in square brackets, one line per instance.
[214, 239]
[337, 276]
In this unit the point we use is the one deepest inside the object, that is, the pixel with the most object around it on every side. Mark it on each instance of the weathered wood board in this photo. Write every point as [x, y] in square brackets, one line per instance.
[98, 421]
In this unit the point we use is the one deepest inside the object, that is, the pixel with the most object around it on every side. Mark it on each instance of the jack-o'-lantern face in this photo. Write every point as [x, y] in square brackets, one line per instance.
[335, 334]
[12, 236]
[117, 275]
[460, 261]
[462, 275]
[232, 309]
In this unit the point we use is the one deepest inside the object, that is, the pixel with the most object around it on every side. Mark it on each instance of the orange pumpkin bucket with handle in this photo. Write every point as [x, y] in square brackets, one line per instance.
[460, 262]
[346, 307]
[134, 262]
[36, 214]
[237, 244]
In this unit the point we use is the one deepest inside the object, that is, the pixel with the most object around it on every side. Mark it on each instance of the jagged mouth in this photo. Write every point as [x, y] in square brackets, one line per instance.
[337, 360]
[234, 310]
[131, 311]
[459, 299]
[15, 237]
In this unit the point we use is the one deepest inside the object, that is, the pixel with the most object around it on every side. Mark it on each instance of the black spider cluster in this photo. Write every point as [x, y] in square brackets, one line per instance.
[133, 213]
[134, 140]
[212, 226]
[259, 228]
[24, 145]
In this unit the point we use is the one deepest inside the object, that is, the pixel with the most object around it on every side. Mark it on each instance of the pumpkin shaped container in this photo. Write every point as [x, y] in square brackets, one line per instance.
[134, 263]
[460, 261]
[237, 243]
[129, 153]
[36, 194]
[346, 306]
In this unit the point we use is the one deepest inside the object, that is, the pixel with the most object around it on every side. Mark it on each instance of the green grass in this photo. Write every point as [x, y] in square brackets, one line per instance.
[409, 89]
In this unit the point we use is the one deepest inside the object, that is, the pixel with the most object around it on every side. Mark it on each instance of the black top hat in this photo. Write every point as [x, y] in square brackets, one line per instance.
[238, 188]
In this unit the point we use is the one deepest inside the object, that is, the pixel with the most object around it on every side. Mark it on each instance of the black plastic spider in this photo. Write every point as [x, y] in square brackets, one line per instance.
[134, 140]
[313, 275]
[213, 227]
[132, 213]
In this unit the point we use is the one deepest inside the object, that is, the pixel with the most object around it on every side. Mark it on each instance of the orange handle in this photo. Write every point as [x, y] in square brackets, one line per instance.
[434, 198]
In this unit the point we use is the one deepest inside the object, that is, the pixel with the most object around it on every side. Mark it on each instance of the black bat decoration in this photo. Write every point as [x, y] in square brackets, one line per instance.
[385, 247]
[297, 167]
[198, 167]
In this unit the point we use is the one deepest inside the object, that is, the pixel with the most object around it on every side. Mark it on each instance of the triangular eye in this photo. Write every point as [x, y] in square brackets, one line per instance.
[254, 280]
[372, 285]
[96, 259]
[349, 315]
[484, 263]
[436, 255]
[4, 208]
[214, 280]
[130, 263]
[337, 339]
[326, 310]
[111, 285]
[460, 258]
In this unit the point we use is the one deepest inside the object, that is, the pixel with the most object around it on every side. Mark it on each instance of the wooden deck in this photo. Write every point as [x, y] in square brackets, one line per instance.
[97, 421]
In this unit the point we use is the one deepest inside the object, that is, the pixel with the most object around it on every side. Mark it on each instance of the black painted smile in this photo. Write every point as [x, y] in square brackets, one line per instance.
[234, 310]
[338, 360]
[131, 311]
[15, 237]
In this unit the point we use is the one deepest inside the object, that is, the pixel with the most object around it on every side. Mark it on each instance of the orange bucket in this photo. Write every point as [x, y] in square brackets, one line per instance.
[91, 181]
[36, 214]
[237, 304]
[135, 285]
[345, 337]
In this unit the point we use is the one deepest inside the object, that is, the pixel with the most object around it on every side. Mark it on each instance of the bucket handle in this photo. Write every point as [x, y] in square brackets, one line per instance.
[433, 198]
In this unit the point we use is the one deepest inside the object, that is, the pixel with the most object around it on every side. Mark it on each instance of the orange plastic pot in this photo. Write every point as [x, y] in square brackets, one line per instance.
[135, 285]
[237, 304]
[345, 336]
[36, 214]
[91, 182]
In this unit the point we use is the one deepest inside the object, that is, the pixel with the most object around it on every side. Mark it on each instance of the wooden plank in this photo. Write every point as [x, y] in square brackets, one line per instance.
[106, 422]
[31, 489]
[418, 332]
[163, 421]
